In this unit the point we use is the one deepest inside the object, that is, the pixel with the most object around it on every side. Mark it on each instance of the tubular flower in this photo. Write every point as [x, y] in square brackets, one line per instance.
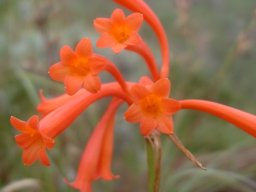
[38, 135]
[151, 18]
[33, 142]
[96, 159]
[78, 68]
[119, 31]
[149, 102]
[152, 108]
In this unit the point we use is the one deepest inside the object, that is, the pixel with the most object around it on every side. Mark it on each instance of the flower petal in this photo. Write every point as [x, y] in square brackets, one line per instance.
[134, 21]
[134, 39]
[84, 48]
[118, 47]
[24, 140]
[105, 41]
[30, 155]
[138, 92]
[72, 84]
[92, 83]
[133, 114]
[58, 72]
[147, 125]
[44, 158]
[118, 16]
[165, 125]
[97, 63]
[171, 106]
[33, 121]
[102, 25]
[48, 142]
[19, 124]
[161, 87]
[67, 55]
[145, 81]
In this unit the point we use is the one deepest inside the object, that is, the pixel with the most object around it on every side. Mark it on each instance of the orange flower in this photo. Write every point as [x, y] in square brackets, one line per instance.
[33, 142]
[37, 136]
[152, 19]
[119, 31]
[152, 108]
[78, 68]
[96, 159]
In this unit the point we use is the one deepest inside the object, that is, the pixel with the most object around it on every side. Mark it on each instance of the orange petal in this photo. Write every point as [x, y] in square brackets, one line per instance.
[98, 63]
[147, 125]
[44, 158]
[118, 16]
[102, 25]
[134, 39]
[30, 155]
[118, 47]
[58, 72]
[138, 92]
[24, 140]
[161, 87]
[145, 81]
[67, 55]
[165, 125]
[92, 83]
[72, 84]
[48, 142]
[19, 124]
[133, 114]
[105, 41]
[33, 121]
[21, 140]
[84, 48]
[171, 106]
[134, 21]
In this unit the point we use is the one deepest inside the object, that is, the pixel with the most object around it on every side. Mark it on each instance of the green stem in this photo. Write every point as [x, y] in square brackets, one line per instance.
[154, 155]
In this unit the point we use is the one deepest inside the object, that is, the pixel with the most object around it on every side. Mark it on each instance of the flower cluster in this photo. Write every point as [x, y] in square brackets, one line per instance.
[148, 100]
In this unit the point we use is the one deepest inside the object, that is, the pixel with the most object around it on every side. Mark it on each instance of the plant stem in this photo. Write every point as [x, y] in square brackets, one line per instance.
[154, 156]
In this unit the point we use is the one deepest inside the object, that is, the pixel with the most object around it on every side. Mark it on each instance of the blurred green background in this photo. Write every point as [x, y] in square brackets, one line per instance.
[213, 57]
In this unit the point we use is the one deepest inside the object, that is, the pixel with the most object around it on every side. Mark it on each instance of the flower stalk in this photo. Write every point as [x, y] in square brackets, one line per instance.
[142, 49]
[154, 156]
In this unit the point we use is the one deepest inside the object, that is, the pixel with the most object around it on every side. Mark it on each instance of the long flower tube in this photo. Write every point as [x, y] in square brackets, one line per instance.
[58, 120]
[142, 49]
[97, 156]
[241, 119]
[114, 71]
[153, 21]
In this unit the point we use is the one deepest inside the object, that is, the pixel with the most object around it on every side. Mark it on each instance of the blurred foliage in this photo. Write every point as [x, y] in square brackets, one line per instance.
[213, 57]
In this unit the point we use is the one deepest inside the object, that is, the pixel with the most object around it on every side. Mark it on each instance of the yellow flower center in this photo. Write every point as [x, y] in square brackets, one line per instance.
[80, 67]
[152, 105]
